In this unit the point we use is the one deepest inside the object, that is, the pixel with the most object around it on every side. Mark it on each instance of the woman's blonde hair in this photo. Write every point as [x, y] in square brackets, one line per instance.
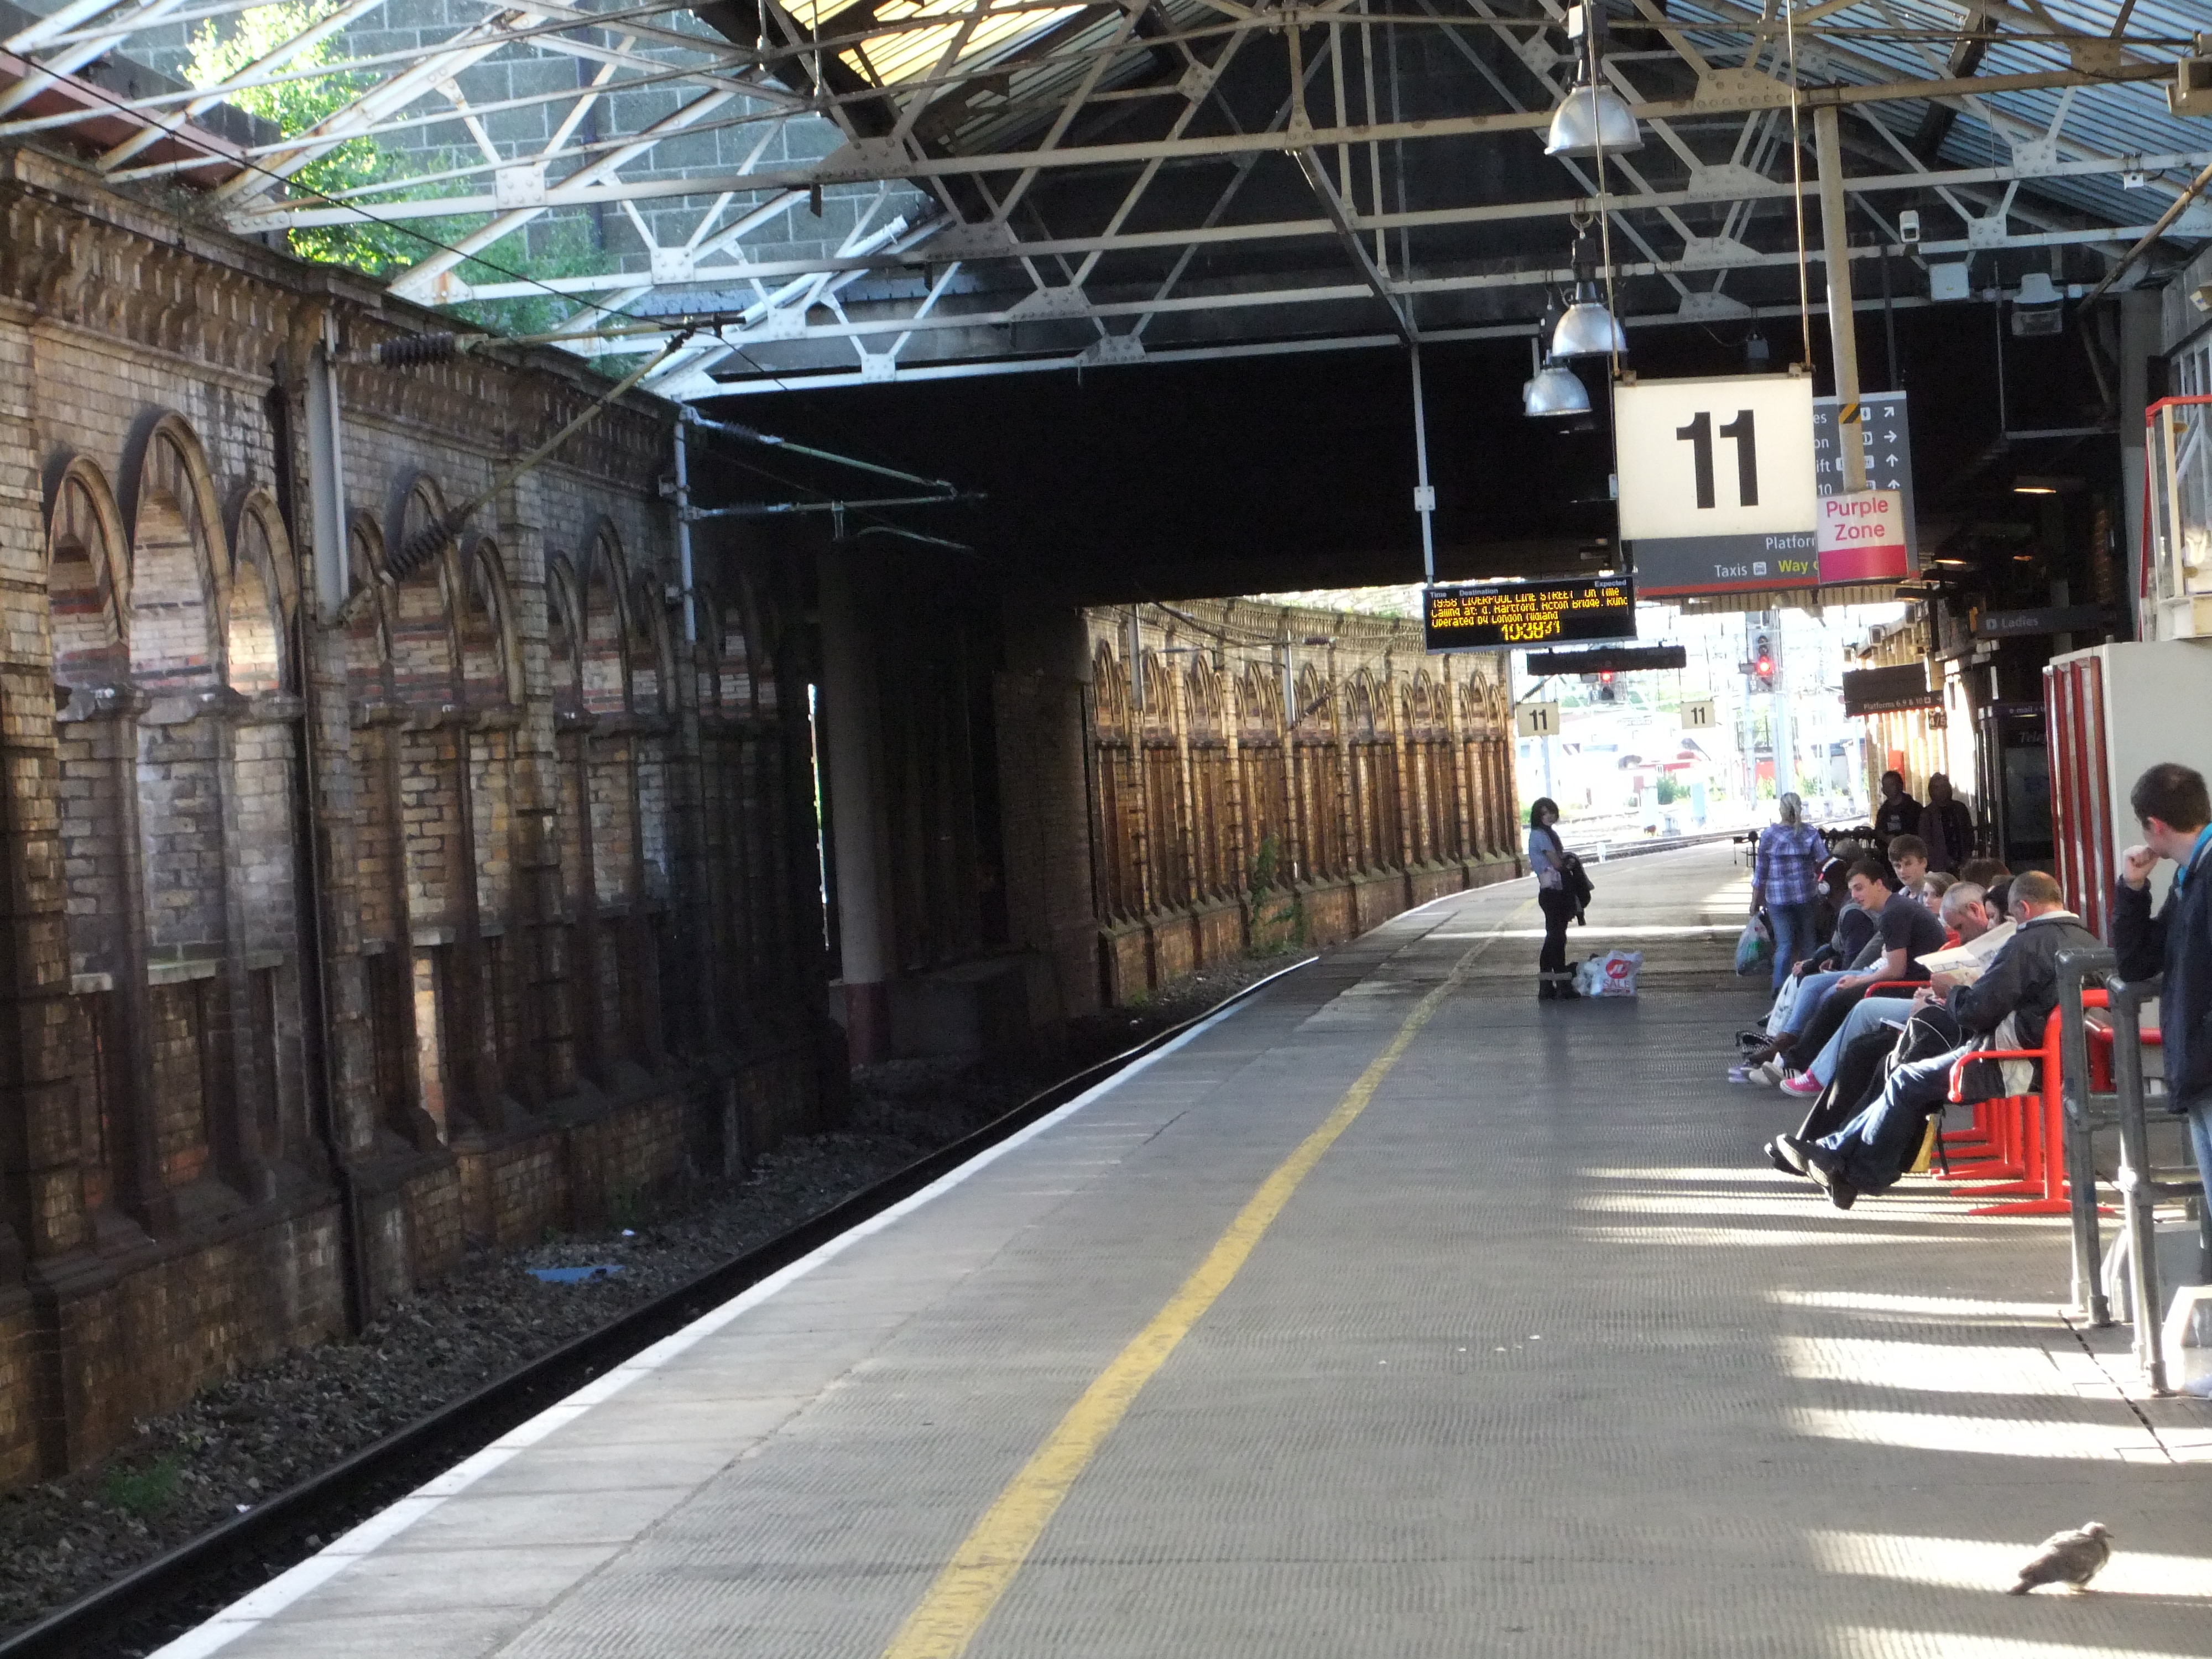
[1791, 806]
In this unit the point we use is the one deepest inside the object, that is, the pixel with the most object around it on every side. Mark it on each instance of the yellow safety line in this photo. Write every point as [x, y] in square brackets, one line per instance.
[984, 1565]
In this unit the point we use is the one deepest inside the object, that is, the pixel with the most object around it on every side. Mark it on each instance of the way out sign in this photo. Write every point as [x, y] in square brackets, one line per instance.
[1718, 483]
[1862, 537]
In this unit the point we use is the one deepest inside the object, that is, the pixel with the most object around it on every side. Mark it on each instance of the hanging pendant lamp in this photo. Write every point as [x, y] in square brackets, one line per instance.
[1587, 329]
[1552, 391]
[1591, 118]
[1555, 391]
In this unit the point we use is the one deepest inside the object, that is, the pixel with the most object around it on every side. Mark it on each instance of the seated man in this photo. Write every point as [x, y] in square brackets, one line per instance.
[2019, 985]
[1853, 932]
[1965, 914]
[1906, 933]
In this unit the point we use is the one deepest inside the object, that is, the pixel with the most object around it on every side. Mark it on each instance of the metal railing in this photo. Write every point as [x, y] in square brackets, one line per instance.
[2141, 1185]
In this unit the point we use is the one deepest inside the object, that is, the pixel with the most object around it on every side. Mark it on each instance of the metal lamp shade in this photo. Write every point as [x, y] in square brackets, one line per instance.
[1587, 330]
[1554, 391]
[1589, 118]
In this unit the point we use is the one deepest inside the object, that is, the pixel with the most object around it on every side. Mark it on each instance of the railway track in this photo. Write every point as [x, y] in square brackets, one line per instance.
[169, 1594]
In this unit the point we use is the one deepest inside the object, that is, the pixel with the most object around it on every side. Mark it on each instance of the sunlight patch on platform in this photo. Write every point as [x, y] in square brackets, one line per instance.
[1935, 1307]
[1972, 1564]
[1995, 1437]
[1867, 1644]
[1736, 1238]
[1927, 1367]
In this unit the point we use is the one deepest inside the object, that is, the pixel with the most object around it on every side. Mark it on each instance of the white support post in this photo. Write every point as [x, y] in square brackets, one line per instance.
[1842, 333]
[683, 527]
[327, 477]
[1425, 495]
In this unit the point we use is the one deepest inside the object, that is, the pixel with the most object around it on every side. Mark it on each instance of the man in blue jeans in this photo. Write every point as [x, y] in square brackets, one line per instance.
[2171, 804]
[1966, 915]
[1905, 930]
[2013, 997]
[1785, 881]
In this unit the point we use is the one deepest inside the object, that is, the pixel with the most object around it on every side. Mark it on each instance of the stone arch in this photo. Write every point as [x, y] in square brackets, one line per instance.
[259, 603]
[177, 561]
[87, 578]
[418, 611]
[1110, 679]
[563, 636]
[760, 632]
[1206, 698]
[369, 635]
[1313, 696]
[484, 629]
[1361, 711]
[707, 650]
[651, 650]
[604, 634]
[1156, 708]
[735, 666]
[1262, 696]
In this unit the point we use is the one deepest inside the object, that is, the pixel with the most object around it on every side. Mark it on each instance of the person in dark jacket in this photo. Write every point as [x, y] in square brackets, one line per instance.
[2020, 984]
[2171, 804]
[1946, 826]
[1896, 813]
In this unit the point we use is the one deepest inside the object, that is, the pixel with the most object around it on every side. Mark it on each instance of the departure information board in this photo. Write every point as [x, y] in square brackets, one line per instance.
[1486, 616]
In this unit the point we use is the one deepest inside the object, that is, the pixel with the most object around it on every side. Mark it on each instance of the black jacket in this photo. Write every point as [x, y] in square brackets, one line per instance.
[2021, 979]
[2178, 941]
[1896, 817]
[1958, 831]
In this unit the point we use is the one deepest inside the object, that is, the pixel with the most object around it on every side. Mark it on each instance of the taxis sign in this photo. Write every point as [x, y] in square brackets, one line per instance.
[1509, 615]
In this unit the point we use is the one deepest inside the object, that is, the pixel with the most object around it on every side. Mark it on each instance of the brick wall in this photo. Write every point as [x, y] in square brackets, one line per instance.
[514, 783]
[1170, 812]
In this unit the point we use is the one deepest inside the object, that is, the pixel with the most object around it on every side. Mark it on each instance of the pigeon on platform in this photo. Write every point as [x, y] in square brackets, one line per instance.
[2072, 1559]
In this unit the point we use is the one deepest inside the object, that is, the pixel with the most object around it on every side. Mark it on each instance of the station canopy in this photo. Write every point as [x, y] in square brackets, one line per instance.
[811, 193]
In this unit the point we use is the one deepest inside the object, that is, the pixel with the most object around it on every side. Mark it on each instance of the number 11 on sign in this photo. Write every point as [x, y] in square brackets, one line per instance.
[1744, 432]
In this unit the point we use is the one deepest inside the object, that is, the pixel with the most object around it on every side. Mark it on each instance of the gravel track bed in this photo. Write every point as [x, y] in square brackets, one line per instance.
[267, 1428]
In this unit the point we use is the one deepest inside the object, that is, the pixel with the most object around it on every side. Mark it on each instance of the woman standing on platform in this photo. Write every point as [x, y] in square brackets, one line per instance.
[1547, 860]
[1785, 878]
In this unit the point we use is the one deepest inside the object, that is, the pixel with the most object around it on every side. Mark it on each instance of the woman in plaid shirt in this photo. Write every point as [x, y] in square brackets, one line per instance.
[1785, 879]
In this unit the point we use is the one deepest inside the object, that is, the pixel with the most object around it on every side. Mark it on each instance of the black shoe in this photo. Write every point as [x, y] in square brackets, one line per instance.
[1827, 1172]
[1791, 1155]
[1545, 991]
[1774, 1157]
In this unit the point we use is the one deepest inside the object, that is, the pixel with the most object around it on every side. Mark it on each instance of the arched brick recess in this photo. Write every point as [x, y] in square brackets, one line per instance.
[179, 597]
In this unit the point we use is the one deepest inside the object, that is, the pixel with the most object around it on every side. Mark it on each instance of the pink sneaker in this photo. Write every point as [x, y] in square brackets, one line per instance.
[1803, 1085]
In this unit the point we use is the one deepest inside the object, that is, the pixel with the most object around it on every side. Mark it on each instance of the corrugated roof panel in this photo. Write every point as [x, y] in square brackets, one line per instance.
[1863, 44]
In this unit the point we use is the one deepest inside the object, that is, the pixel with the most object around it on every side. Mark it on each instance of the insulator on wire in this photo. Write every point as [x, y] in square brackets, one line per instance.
[417, 550]
[417, 349]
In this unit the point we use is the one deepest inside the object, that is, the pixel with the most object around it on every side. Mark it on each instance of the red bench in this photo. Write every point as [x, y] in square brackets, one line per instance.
[2019, 1141]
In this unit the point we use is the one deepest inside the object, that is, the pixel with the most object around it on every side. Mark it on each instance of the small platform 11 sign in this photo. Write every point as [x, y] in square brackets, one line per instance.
[1718, 483]
[1537, 720]
[1698, 715]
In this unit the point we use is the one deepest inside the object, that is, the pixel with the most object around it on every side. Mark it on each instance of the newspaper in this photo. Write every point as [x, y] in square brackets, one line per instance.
[1963, 964]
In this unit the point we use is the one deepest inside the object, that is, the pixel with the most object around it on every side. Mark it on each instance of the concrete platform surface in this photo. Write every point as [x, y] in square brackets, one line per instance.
[1535, 1357]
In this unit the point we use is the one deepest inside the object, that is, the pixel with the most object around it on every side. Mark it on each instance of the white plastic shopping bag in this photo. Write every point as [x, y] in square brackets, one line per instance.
[1612, 975]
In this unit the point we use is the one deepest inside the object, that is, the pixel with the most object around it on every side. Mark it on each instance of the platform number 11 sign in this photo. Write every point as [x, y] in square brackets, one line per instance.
[1743, 433]
[1718, 483]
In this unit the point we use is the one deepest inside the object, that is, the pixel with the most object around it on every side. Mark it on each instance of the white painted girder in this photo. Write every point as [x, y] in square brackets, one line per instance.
[715, 73]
